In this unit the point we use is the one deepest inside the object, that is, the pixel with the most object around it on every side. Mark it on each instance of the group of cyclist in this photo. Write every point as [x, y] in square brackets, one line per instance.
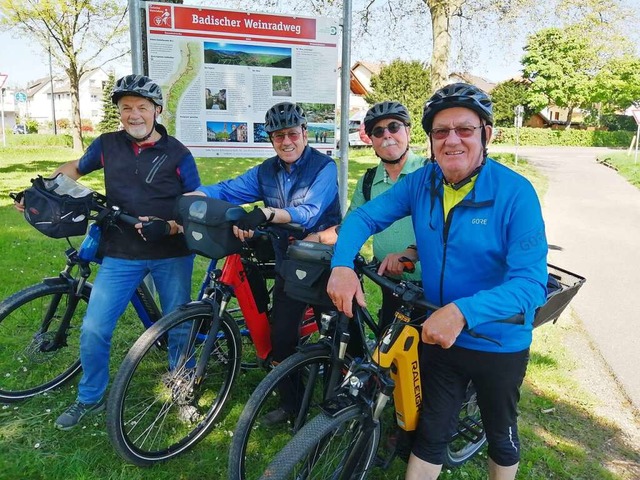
[479, 245]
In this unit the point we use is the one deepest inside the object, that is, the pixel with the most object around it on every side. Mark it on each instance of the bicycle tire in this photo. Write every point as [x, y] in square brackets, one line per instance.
[153, 413]
[254, 444]
[470, 436]
[26, 369]
[337, 447]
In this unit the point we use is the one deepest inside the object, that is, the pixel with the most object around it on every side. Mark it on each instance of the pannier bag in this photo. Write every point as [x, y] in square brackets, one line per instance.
[58, 207]
[208, 225]
[306, 272]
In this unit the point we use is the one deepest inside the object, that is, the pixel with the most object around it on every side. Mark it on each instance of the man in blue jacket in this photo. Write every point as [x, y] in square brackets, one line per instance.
[480, 238]
[298, 185]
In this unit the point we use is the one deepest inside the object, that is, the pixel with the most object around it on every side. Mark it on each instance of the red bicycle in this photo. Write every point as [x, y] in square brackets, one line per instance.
[156, 411]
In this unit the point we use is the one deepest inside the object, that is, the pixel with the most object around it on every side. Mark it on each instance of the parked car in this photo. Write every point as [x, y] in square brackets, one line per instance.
[19, 129]
[357, 137]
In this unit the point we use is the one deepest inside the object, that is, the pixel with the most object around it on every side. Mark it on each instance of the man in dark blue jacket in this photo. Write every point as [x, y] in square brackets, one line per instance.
[298, 185]
[481, 241]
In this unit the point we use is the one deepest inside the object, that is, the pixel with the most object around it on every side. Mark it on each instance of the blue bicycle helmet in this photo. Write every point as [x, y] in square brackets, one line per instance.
[284, 115]
[386, 109]
[457, 95]
[139, 86]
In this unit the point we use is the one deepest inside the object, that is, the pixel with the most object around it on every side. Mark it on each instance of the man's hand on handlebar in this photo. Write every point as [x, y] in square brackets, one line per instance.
[443, 326]
[343, 287]
[153, 229]
[396, 264]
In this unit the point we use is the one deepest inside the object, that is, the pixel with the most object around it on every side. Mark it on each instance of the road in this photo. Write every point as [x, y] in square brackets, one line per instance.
[594, 214]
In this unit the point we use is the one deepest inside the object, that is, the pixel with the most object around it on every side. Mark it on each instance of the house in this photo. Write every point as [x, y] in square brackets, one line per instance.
[10, 108]
[39, 104]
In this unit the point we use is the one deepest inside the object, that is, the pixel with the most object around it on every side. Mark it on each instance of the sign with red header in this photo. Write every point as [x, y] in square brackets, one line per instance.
[3, 78]
[221, 70]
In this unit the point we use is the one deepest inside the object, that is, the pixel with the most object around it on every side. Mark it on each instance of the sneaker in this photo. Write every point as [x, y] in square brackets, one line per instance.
[276, 417]
[72, 415]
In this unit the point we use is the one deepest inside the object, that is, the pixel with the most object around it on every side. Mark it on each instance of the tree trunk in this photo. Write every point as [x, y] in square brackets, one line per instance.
[441, 12]
[76, 123]
[569, 116]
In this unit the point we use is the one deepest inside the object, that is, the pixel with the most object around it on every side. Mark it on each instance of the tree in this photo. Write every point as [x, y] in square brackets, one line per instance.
[78, 33]
[407, 82]
[561, 64]
[617, 84]
[111, 117]
[506, 96]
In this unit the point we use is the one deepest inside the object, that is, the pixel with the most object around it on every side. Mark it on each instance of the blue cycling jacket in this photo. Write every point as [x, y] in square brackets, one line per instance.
[489, 257]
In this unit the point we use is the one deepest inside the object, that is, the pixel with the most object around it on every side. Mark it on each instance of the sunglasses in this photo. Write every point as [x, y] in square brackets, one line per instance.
[462, 132]
[279, 137]
[393, 127]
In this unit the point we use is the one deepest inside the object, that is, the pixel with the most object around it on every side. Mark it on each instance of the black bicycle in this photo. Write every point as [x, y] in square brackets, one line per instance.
[341, 442]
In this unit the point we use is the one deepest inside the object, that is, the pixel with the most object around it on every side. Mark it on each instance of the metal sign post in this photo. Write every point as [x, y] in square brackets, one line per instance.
[3, 78]
[517, 122]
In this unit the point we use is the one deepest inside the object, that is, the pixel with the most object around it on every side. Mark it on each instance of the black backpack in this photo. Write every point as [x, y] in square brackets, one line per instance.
[367, 182]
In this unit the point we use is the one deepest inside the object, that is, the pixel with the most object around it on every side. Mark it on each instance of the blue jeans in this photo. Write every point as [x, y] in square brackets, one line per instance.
[113, 287]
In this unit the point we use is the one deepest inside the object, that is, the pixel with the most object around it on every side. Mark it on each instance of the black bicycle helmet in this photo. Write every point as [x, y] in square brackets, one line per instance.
[457, 95]
[284, 115]
[386, 109]
[137, 85]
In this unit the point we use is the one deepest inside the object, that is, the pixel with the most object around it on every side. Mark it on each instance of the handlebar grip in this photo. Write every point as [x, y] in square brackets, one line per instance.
[408, 264]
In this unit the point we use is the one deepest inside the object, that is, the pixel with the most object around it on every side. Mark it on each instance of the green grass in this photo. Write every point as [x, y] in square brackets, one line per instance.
[626, 165]
[562, 437]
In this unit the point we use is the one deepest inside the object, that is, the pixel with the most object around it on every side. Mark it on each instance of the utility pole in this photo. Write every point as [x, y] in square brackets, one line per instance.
[53, 101]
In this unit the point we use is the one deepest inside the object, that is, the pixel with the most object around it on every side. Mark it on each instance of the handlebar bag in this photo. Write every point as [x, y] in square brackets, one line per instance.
[306, 272]
[55, 210]
[207, 225]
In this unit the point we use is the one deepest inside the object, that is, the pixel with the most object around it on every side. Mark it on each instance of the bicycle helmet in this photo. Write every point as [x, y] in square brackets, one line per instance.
[386, 109]
[457, 95]
[137, 85]
[284, 115]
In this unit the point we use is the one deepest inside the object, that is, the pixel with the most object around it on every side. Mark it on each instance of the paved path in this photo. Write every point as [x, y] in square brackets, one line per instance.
[594, 214]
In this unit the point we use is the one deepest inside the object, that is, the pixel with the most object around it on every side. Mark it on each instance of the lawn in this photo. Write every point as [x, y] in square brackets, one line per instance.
[562, 436]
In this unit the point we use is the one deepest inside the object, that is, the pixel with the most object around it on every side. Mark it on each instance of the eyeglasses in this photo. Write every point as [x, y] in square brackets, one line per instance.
[279, 137]
[393, 127]
[462, 132]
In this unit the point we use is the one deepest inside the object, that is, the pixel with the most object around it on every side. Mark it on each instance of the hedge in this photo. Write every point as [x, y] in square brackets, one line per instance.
[571, 137]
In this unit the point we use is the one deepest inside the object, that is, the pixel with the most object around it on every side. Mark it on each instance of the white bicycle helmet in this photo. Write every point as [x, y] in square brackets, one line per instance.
[386, 109]
[137, 85]
[284, 115]
[457, 95]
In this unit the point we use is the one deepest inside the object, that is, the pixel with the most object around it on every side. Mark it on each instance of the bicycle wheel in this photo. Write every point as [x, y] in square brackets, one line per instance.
[34, 356]
[330, 447]
[155, 413]
[255, 444]
[470, 436]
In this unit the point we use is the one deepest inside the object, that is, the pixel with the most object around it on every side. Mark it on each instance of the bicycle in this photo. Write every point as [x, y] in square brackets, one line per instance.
[310, 375]
[40, 324]
[154, 413]
[342, 441]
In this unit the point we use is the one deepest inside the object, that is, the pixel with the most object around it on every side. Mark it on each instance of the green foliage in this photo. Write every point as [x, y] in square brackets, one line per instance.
[571, 137]
[617, 84]
[506, 96]
[32, 126]
[111, 117]
[560, 64]
[615, 122]
[407, 82]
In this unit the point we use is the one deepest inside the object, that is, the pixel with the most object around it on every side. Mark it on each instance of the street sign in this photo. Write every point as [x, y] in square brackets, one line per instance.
[3, 78]
[636, 114]
[21, 97]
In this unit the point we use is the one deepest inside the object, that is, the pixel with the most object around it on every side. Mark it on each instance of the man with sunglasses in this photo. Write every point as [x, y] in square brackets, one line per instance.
[298, 185]
[388, 125]
[481, 241]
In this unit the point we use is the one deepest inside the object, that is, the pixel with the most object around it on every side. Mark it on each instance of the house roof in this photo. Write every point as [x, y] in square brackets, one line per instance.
[479, 82]
[61, 84]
